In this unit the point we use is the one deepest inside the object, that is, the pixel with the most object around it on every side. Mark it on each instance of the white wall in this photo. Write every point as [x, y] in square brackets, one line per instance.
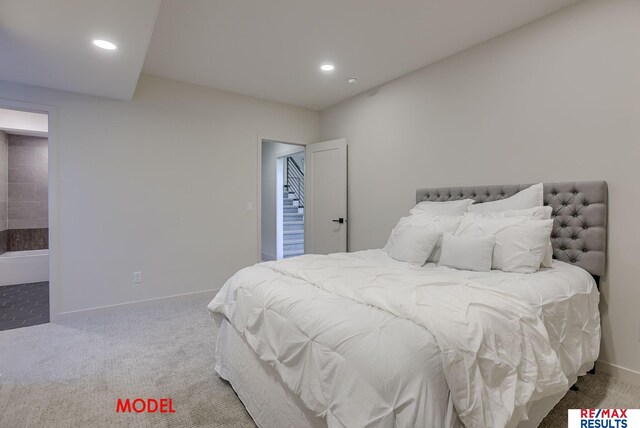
[158, 184]
[4, 187]
[270, 152]
[556, 100]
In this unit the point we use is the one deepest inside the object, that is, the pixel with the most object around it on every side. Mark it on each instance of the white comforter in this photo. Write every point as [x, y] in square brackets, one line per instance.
[364, 340]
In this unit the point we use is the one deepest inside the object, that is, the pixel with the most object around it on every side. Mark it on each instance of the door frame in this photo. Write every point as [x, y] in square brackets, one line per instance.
[54, 242]
[258, 205]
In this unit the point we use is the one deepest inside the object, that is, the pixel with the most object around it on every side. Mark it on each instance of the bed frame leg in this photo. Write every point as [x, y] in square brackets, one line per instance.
[592, 371]
[574, 387]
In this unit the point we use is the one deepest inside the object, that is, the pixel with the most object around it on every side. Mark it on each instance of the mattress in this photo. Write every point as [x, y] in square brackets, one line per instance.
[398, 376]
[271, 405]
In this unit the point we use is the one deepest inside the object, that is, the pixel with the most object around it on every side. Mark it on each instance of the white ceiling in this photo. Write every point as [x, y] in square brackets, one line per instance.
[272, 49]
[48, 43]
[265, 48]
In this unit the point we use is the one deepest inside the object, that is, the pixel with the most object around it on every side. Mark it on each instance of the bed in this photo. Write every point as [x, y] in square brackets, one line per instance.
[359, 339]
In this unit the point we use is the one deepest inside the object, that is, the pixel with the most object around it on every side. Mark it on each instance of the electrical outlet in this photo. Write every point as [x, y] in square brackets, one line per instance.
[250, 207]
[137, 277]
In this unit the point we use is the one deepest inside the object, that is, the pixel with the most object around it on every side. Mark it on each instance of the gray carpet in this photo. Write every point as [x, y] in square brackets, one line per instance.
[70, 374]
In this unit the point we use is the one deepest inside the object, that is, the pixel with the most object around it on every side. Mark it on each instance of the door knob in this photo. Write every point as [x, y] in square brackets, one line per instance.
[338, 220]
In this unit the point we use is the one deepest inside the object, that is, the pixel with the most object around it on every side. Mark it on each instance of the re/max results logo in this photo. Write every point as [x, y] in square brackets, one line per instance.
[604, 418]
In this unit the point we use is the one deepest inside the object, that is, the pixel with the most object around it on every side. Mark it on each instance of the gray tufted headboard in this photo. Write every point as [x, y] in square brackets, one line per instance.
[579, 209]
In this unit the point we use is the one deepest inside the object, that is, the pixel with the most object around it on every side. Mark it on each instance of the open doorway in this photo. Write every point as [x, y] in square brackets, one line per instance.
[24, 218]
[282, 200]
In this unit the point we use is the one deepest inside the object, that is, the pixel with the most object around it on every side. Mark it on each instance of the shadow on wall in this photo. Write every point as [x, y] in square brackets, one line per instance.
[23, 193]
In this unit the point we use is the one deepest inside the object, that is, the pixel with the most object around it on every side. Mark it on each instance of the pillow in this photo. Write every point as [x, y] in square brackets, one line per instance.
[414, 245]
[440, 224]
[521, 242]
[442, 208]
[467, 253]
[541, 213]
[530, 197]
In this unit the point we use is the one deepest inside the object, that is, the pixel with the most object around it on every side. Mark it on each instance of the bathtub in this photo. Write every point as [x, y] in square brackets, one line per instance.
[23, 267]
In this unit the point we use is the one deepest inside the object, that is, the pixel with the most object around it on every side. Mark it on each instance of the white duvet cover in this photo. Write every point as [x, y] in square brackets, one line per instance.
[367, 341]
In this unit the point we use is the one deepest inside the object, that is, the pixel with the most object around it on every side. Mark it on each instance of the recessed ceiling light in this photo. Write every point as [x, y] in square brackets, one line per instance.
[352, 80]
[105, 44]
[327, 67]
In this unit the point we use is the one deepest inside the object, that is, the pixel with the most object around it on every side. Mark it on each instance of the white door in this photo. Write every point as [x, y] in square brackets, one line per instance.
[326, 197]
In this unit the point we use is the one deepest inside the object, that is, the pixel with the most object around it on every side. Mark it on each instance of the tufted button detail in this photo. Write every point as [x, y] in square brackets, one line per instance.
[574, 260]
[586, 204]
[564, 204]
[563, 247]
[585, 227]
[584, 250]
[574, 237]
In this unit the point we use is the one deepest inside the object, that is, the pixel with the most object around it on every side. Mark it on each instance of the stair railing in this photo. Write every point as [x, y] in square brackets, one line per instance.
[295, 181]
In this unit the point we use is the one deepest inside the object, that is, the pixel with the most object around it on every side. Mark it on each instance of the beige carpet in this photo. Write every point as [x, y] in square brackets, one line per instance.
[71, 374]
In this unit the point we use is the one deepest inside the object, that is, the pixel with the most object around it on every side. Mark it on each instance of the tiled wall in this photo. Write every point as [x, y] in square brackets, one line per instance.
[23, 193]
[27, 239]
[28, 182]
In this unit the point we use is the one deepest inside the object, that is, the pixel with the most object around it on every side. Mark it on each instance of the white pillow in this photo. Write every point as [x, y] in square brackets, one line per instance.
[414, 245]
[467, 253]
[530, 197]
[541, 213]
[440, 224]
[521, 242]
[443, 208]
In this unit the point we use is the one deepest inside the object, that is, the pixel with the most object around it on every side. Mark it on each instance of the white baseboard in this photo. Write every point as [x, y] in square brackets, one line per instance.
[128, 305]
[614, 370]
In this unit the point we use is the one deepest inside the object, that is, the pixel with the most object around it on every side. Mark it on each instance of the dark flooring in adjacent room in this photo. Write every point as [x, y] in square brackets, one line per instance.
[24, 305]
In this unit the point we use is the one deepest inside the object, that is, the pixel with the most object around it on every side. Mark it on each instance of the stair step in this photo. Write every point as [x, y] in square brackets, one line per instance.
[293, 225]
[290, 248]
[289, 217]
[293, 235]
[293, 241]
[287, 201]
[291, 210]
[295, 254]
